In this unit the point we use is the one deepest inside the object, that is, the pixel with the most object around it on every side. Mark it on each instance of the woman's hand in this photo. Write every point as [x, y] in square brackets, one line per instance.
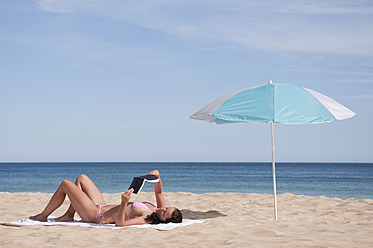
[154, 172]
[126, 196]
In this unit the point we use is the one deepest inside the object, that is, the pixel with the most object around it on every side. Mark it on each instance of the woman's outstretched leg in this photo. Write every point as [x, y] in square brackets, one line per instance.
[85, 184]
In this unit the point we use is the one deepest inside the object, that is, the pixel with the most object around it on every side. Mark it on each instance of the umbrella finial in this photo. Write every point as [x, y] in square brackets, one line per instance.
[270, 82]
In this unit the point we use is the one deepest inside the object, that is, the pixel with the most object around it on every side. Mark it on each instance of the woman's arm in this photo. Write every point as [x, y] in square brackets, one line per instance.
[161, 203]
[120, 221]
[135, 221]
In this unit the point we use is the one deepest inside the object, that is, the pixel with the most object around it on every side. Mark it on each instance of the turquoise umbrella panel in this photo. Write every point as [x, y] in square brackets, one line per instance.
[252, 105]
[295, 105]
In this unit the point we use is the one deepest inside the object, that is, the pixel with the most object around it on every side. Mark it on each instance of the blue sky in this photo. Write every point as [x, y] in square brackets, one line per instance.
[116, 80]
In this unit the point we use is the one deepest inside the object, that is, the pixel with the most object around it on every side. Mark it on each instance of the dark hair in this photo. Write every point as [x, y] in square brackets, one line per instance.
[176, 217]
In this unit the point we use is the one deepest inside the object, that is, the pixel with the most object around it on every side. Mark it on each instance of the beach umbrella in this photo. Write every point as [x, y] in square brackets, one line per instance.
[274, 103]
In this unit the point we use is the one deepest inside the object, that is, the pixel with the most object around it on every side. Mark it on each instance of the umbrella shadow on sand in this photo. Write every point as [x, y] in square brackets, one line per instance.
[199, 215]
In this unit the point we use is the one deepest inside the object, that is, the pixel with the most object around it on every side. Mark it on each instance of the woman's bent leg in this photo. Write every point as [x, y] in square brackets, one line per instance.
[80, 202]
[90, 189]
[55, 202]
[85, 184]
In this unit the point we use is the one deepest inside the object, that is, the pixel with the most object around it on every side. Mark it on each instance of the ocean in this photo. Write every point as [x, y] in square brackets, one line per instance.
[341, 180]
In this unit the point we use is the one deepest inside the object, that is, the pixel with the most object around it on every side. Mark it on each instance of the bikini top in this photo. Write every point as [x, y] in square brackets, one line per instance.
[137, 204]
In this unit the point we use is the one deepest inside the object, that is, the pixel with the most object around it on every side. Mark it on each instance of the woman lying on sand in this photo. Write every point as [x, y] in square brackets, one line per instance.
[88, 202]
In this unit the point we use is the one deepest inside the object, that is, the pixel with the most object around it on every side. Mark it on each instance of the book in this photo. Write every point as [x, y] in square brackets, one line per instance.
[138, 182]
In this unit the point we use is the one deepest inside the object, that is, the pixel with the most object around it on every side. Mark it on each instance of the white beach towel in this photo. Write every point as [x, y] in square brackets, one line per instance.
[161, 227]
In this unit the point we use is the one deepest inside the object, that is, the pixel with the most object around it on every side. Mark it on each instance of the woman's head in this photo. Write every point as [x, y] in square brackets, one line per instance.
[165, 215]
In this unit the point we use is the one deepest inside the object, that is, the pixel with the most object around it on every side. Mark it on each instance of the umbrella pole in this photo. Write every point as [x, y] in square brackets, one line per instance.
[274, 171]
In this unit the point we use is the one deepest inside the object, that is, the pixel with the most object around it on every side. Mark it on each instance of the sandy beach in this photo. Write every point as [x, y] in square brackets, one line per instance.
[231, 220]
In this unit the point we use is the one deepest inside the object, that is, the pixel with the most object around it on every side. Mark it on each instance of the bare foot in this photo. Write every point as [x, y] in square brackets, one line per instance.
[64, 218]
[39, 217]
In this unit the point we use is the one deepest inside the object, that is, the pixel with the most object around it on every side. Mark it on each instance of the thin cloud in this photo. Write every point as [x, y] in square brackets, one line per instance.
[339, 27]
[90, 50]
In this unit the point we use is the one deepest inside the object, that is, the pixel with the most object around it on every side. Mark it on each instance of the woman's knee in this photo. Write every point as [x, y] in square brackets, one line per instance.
[81, 178]
[65, 184]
